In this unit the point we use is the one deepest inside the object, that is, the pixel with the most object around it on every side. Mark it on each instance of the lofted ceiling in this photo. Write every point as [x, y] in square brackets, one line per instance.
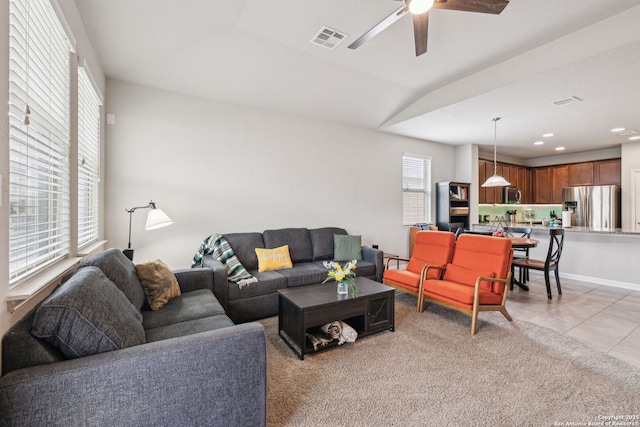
[478, 66]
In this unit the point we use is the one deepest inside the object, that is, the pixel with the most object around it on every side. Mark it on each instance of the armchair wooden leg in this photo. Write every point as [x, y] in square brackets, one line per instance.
[506, 314]
[474, 322]
[474, 315]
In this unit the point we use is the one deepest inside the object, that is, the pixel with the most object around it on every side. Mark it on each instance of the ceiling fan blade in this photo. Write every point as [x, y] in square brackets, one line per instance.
[384, 24]
[421, 32]
[479, 6]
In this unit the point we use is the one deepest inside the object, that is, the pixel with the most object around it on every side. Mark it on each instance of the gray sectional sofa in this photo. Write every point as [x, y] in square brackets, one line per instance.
[308, 249]
[113, 361]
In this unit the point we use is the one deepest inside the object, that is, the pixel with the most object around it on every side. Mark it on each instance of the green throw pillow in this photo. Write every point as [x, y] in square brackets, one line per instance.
[346, 248]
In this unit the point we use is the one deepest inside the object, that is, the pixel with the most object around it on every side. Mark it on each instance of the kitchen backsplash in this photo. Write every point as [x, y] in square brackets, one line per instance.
[537, 212]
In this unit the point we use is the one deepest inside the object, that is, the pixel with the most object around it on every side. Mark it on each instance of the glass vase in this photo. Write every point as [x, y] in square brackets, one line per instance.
[342, 288]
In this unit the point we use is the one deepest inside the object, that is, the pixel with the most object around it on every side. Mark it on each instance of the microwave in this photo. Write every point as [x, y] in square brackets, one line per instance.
[511, 195]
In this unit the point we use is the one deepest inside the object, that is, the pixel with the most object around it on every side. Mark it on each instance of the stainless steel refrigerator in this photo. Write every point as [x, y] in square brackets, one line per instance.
[595, 206]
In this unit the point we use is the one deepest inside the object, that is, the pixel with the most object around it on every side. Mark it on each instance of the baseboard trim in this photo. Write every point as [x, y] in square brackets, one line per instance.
[597, 280]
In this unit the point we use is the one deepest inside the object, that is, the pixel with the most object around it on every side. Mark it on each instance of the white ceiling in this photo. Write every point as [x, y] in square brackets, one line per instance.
[478, 66]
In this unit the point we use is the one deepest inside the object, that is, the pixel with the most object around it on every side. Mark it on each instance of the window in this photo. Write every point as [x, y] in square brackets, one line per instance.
[416, 189]
[88, 159]
[39, 217]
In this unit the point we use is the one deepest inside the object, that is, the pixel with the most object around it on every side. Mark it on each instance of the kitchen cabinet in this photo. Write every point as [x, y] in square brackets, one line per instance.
[488, 194]
[559, 180]
[607, 172]
[524, 183]
[482, 177]
[581, 174]
[518, 176]
[541, 187]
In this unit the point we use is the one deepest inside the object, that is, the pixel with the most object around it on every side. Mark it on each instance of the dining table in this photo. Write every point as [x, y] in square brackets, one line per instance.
[522, 243]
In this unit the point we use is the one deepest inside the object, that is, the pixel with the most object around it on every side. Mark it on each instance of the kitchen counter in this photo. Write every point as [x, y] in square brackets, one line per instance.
[573, 229]
[608, 257]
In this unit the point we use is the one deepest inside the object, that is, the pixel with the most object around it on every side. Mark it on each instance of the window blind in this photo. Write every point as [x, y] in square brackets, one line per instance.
[416, 189]
[39, 217]
[88, 159]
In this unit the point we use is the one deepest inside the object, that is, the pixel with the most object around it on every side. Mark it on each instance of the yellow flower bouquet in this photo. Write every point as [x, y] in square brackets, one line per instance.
[344, 275]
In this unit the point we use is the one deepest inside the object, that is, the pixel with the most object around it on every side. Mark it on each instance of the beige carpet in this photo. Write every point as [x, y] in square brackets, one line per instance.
[431, 372]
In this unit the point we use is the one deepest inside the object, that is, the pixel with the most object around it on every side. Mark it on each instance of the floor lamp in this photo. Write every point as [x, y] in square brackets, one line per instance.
[155, 219]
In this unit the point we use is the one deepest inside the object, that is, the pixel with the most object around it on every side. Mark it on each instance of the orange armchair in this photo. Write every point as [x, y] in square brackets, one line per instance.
[431, 248]
[477, 278]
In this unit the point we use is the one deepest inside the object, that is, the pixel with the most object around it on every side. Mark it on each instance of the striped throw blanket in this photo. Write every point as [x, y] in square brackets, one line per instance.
[221, 250]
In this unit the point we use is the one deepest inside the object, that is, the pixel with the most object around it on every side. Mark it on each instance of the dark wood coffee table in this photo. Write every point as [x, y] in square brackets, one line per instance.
[305, 307]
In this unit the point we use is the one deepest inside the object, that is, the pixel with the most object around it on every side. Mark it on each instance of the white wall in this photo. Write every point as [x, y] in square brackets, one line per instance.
[630, 161]
[216, 167]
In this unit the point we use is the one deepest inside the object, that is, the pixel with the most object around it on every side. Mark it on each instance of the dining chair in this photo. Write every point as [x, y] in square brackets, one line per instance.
[556, 242]
[520, 252]
[478, 233]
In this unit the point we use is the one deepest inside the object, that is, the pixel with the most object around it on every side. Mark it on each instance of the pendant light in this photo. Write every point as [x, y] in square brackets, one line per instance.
[495, 180]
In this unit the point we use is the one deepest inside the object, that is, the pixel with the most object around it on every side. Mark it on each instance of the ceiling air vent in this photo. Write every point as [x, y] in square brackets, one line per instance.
[567, 101]
[328, 38]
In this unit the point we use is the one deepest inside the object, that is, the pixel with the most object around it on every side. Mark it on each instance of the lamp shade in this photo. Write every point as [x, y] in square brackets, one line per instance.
[496, 181]
[157, 219]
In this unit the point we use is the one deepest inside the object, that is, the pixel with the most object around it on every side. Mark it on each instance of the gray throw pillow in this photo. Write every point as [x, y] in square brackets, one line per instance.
[88, 314]
[347, 248]
[121, 271]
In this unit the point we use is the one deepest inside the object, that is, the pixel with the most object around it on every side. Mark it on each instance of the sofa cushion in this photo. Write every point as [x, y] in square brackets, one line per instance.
[322, 241]
[402, 278]
[121, 271]
[273, 259]
[188, 306]
[268, 282]
[244, 246]
[88, 314]
[465, 276]
[347, 248]
[158, 282]
[304, 273]
[188, 328]
[365, 269]
[458, 293]
[297, 238]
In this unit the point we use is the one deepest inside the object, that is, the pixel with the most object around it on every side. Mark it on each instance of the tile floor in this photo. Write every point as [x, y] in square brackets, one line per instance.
[604, 317]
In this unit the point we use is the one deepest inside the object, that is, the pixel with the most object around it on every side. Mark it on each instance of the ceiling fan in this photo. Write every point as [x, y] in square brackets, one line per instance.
[420, 11]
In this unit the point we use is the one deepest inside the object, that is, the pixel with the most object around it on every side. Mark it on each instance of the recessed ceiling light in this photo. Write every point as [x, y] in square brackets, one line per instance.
[547, 135]
[538, 143]
[559, 148]
[633, 138]
[617, 129]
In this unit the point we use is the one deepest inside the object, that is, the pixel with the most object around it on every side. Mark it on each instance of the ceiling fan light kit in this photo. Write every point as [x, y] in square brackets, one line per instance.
[419, 10]
[418, 7]
[495, 180]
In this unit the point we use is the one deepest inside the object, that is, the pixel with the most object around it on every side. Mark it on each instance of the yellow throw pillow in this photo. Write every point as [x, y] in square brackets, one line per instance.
[273, 259]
